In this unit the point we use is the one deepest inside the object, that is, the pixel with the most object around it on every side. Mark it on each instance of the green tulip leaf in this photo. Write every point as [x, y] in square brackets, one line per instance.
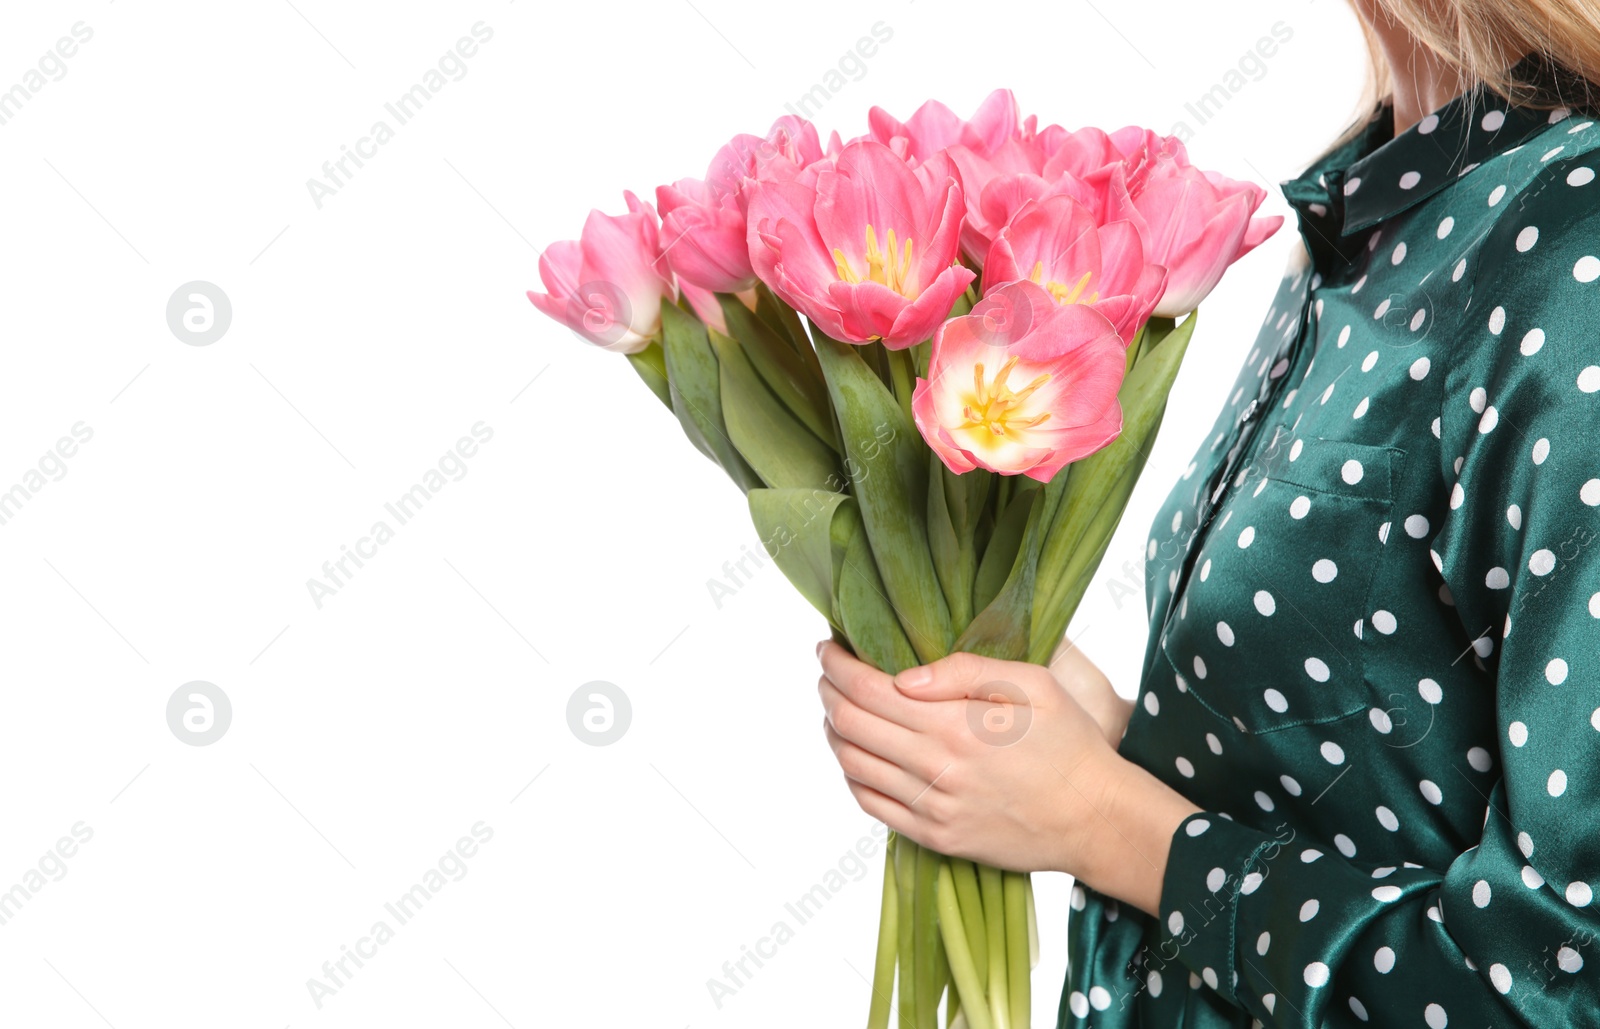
[696, 384]
[1003, 626]
[781, 450]
[865, 611]
[651, 364]
[1005, 543]
[788, 376]
[797, 528]
[886, 460]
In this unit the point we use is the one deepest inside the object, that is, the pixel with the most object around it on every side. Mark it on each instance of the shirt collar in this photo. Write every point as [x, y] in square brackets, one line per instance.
[1376, 174]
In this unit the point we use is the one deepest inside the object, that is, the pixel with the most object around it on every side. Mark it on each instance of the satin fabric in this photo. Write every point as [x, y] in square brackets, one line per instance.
[1374, 597]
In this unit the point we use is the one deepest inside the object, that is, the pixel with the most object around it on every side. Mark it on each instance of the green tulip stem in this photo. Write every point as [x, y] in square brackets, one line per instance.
[888, 939]
[905, 866]
[1019, 970]
[991, 882]
[925, 955]
[965, 877]
[967, 982]
[903, 376]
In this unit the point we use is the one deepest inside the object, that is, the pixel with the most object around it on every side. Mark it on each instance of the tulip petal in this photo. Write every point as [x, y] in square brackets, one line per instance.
[560, 266]
[617, 251]
[942, 240]
[1128, 311]
[1058, 236]
[1257, 233]
[1122, 258]
[954, 458]
[1195, 270]
[869, 186]
[919, 320]
[1001, 266]
[1085, 440]
[785, 249]
[867, 309]
[994, 122]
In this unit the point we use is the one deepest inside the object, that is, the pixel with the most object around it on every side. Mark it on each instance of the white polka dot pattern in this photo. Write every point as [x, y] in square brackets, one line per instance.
[1339, 593]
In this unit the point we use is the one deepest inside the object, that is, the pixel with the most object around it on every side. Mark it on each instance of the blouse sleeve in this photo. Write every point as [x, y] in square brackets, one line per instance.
[1505, 934]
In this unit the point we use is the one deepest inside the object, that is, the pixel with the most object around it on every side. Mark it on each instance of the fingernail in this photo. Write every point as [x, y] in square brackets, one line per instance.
[913, 678]
[824, 643]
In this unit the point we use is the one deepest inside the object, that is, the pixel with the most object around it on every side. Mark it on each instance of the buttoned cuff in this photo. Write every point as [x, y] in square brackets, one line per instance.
[1211, 865]
[1266, 919]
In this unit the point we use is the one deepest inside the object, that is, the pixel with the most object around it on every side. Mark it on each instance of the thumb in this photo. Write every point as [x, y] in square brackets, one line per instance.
[957, 677]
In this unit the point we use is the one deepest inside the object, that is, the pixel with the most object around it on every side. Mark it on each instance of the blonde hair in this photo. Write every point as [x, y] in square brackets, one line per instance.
[1484, 39]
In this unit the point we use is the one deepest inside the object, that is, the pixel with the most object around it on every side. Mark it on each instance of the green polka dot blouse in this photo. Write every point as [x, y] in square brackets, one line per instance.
[1374, 656]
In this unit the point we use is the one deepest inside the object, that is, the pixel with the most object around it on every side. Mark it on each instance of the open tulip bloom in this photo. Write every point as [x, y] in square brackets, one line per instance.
[937, 454]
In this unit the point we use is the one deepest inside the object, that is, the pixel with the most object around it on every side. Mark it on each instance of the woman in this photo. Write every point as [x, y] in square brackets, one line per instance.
[1359, 784]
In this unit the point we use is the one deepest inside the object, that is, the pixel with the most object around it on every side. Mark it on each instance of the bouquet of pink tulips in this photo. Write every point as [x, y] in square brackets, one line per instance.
[939, 453]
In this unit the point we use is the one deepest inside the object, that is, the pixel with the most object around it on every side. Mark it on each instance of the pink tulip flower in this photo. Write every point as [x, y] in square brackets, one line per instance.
[934, 127]
[703, 237]
[703, 230]
[997, 187]
[1022, 385]
[790, 145]
[865, 246]
[999, 157]
[1056, 243]
[604, 285]
[1195, 223]
[1091, 155]
[1086, 164]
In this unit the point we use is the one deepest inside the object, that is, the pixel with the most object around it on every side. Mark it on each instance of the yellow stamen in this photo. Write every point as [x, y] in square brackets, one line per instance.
[890, 266]
[842, 268]
[1063, 293]
[997, 407]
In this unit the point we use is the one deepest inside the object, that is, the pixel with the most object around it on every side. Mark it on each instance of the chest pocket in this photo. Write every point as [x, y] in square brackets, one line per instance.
[1269, 631]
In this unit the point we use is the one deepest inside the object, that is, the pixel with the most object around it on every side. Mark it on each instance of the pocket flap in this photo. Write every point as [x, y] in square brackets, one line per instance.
[1338, 467]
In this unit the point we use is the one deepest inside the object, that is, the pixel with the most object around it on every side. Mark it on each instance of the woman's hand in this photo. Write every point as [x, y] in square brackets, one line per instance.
[996, 761]
[1087, 684]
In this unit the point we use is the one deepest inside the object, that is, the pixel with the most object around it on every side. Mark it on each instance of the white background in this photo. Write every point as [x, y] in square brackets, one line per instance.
[368, 335]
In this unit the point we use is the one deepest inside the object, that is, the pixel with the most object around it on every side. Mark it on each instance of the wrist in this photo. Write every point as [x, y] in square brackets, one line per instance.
[1114, 718]
[1125, 854]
